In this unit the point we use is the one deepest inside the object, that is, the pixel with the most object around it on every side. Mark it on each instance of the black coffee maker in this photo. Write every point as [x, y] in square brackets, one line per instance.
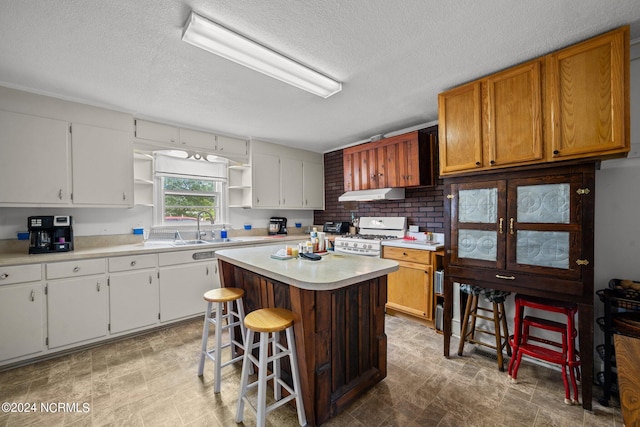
[277, 225]
[50, 234]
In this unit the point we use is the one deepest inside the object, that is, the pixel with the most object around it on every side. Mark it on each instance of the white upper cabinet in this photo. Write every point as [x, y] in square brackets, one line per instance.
[313, 185]
[290, 183]
[158, 132]
[196, 139]
[34, 160]
[57, 153]
[266, 180]
[172, 136]
[285, 177]
[231, 146]
[102, 166]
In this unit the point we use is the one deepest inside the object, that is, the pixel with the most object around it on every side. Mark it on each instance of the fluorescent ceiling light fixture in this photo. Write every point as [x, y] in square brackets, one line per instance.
[214, 38]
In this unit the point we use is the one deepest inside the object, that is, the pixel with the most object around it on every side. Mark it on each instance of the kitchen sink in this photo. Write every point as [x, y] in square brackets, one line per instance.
[201, 242]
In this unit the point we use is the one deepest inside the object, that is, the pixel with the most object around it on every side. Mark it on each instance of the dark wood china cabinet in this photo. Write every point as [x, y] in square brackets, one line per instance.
[522, 231]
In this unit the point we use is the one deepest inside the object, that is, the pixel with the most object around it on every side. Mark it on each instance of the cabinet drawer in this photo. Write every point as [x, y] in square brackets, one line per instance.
[183, 257]
[404, 254]
[76, 268]
[133, 262]
[20, 274]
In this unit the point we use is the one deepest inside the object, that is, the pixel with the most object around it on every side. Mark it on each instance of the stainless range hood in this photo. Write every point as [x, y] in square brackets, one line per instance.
[372, 195]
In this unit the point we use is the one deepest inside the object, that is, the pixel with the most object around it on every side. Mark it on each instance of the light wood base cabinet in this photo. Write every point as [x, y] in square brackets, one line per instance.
[410, 289]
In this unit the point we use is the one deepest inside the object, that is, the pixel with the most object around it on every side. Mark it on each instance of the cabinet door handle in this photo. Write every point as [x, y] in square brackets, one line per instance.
[4, 276]
[150, 279]
[98, 286]
[124, 196]
[215, 270]
[60, 194]
[501, 225]
[511, 226]
[33, 295]
[500, 276]
[76, 269]
[207, 270]
[133, 263]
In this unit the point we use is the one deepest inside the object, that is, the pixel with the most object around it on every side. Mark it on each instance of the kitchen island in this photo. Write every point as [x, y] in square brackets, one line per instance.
[339, 307]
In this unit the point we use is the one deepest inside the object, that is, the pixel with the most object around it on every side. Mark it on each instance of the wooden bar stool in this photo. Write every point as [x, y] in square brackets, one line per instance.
[468, 329]
[562, 352]
[233, 318]
[269, 322]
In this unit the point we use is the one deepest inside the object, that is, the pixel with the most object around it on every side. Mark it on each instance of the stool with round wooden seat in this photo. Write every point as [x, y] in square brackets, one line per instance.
[468, 327]
[562, 352]
[269, 322]
[233, 318]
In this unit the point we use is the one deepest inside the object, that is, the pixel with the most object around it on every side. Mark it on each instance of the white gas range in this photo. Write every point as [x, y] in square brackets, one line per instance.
[373, 230]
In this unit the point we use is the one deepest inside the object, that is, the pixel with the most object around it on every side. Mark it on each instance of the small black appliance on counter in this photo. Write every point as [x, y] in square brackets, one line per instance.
[50, 234]
[336, 227]
[277, 225]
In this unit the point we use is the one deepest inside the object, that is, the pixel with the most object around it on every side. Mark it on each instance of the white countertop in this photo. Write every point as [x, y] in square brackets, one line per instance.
[333, 271]
[414, 244]
[19, 258]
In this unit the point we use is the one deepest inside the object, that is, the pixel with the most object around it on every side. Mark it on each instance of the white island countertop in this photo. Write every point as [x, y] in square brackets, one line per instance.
[333, 271]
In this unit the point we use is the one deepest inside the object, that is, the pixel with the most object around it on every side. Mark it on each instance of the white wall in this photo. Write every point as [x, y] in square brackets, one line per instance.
[87, 221]
[95, 221]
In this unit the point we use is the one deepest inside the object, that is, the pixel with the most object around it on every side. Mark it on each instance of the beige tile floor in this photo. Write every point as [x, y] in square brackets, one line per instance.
[151, 380]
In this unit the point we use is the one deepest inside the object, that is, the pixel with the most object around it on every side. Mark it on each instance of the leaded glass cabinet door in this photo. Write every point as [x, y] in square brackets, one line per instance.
[477, 224]
[543, 225]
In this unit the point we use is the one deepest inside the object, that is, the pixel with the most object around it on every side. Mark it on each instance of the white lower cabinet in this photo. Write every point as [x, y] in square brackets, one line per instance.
[21, 311]
[183, 283]
[76, 306]
[133, 293]
[86, 301]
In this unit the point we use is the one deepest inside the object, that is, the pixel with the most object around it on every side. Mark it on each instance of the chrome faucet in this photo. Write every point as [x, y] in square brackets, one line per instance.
[200, 214]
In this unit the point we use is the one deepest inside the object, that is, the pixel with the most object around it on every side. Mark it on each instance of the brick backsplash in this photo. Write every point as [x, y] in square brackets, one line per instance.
[422, 206]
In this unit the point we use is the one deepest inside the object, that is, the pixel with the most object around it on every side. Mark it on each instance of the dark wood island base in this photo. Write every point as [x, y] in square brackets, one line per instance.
[340, 337]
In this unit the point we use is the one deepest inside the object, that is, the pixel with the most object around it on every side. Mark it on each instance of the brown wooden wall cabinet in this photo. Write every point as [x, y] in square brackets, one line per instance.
[571, 104]
[526, 231]
[406, 160]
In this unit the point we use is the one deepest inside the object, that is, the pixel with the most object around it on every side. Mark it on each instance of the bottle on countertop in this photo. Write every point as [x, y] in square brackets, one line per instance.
[223, 233]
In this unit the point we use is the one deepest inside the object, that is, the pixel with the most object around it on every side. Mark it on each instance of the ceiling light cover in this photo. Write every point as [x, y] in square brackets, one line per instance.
[214, 38]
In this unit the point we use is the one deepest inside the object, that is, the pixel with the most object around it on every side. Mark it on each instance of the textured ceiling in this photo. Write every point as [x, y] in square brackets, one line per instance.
[393, 57]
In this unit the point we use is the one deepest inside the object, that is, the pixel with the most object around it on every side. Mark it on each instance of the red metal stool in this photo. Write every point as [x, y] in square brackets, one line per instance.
[563, 353]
